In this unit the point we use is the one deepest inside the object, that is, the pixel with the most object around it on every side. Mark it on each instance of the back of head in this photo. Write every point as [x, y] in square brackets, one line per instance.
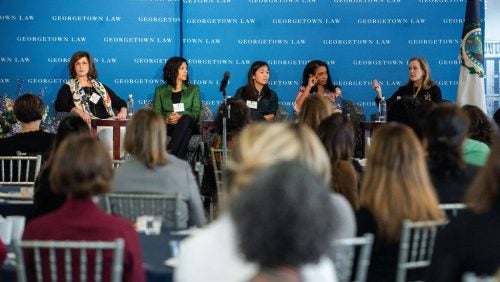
[484, 192]
[146, 138]
[314, 109]
[290, 232]
[411, 112]
[29, 108]
[480, 127]
[81, 167]
[337, 134]
[238, 118]
[445, 131]
[72, 124]
[263, 144]
[396, 184]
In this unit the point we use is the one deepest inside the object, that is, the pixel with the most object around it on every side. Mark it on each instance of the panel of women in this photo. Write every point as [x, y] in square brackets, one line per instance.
[420, 84]
[396, 186]
[84, 95]
[316, 79]
[29, 110]
[178, 102]
[260, 99]
[153, 170]
[82, 169]
[212, 253]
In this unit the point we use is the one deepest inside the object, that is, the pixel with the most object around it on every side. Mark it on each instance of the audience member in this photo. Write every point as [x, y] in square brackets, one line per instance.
[153, 170]
[45, 199]
[445, 132]
[419, 85]
[82, 169]
[238, 118]
[281, 237]
[84, 95]
[412, 112]
[179, 103]
[316, 79]
[260, 145]
[496, 118]
[29, 109]
[337, 135]
[396, 186]
[469, 243]
[259, 98]
[480, 127]
[315, 108]
[3, 252]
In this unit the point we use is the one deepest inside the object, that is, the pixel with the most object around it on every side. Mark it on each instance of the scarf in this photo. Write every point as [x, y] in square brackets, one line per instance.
[80, 98]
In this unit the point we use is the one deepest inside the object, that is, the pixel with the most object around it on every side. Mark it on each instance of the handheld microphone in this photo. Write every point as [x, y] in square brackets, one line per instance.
[224, 82]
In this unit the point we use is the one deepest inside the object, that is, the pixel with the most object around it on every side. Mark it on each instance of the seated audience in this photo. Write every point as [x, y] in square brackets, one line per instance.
[82, 169]
[178, 102]
[45, 199]
[260, 145]
[239, 117]
[337, 135]
[315, 108]
[445, 132]
[412, 112]
[396, 186]
[480, 127]
[469, 243]
[29, 109]
[282, 237]
[260, 99]
[153, 170]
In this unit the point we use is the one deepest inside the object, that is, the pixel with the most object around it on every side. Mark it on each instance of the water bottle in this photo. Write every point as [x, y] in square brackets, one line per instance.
[130, 106]
[382, 110]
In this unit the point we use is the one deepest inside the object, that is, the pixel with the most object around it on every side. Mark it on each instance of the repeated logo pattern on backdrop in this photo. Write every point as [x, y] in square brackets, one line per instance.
[361, 40]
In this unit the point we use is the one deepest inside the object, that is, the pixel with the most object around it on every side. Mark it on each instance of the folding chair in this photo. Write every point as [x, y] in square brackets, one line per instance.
[131, 206]
[217, 161]
[19, 170]
[74, 260]
[343, 253]
[453, 209]
[416, 245]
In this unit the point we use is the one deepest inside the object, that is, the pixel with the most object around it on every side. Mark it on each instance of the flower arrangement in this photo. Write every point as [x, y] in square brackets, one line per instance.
[9, 125]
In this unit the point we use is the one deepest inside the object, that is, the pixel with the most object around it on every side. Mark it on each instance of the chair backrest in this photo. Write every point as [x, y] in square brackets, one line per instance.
[453, 209]
[281, 113]
[75, 260]
[416, 245]
[133, 205]
[472, 277]
[343, 253]
[217, 161]
[19, 170]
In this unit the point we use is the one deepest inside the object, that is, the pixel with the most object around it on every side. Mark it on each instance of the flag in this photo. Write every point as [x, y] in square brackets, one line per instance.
[471, 79]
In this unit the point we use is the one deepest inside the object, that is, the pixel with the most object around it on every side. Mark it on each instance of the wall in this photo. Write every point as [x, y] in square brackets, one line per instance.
[360, 39]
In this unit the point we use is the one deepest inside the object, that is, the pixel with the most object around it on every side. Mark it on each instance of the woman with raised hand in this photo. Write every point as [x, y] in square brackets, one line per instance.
[84, 95]
[153, 170]
[316, 79]
[419, 85]
[396, 186]
[178, 102]
[259, 98]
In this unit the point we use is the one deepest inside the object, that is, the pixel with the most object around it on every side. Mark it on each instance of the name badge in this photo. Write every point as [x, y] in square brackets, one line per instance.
[252, 104]
[179, 107]
[95, 98]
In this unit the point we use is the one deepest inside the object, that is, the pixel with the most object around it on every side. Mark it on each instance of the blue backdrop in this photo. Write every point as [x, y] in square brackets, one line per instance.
[361, 40]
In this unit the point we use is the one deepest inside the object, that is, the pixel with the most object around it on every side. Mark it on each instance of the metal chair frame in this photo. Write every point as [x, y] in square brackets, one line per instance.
[22, 170]
[344, 253]
[451, 210]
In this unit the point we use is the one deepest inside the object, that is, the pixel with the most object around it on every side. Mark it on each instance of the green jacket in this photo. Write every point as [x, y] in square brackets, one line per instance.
[162, 102]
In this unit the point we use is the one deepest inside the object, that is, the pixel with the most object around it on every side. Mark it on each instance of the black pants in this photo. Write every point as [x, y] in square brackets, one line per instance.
[180, 134]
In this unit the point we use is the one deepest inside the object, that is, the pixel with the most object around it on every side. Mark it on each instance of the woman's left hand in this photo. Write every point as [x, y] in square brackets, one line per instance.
[122, 114]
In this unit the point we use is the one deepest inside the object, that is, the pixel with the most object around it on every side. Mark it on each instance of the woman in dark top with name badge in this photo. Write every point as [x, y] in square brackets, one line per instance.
[419, 85]
[84, 95]
[260, 99]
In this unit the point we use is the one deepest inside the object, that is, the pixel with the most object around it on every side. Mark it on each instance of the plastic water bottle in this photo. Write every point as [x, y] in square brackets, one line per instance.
[130, 106]
[382, 110]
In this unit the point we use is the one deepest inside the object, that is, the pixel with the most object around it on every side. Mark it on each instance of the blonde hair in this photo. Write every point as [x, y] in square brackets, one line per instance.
[427, 81]
[396, 185]
[315, 108]
[146, 138]
[264, 144]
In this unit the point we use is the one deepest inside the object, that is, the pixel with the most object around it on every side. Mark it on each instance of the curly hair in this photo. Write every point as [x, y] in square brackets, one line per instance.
[292, 231]
[171, 71]
[28, 108]
[480, 128]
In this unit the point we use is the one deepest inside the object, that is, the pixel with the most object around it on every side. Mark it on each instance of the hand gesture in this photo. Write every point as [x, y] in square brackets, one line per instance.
[376, 86]
[173, 118]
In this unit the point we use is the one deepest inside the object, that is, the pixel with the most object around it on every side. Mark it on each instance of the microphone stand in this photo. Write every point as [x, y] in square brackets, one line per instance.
[226, 112]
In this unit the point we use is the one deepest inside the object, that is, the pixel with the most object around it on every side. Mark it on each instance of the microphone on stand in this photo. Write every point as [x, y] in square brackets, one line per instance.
[224, 82]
